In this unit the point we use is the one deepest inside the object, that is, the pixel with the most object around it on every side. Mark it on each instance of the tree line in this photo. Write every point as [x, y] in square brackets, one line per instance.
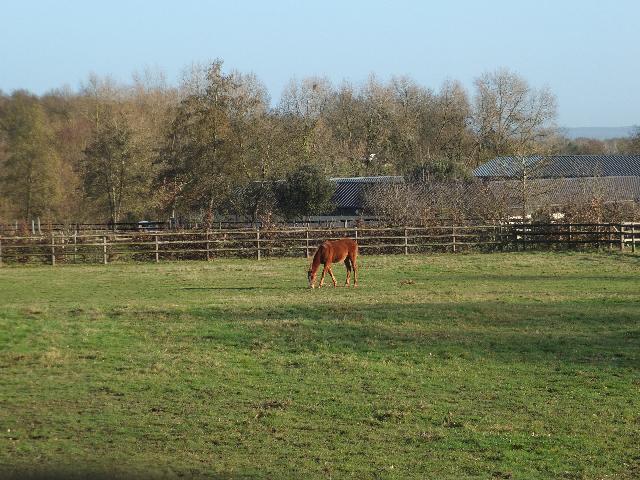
[216, 143]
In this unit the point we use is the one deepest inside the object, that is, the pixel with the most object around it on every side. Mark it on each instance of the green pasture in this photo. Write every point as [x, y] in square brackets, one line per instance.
[514, 365]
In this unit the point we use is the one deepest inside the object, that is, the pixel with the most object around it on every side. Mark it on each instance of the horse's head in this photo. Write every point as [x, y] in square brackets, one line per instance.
[311, 276]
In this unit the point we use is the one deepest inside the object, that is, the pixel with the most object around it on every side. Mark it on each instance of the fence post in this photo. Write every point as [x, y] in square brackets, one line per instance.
[609, 227]
[0, 252]
[258, 243]
[569, 239]
[504, 237]
[104, 249]
[157, 248]
[307, 239]
[453, 237]
[75, 245]
[406, 241]
[64, 245]
[621, 239]
[208, 253]
[53, 248]
[633, 241]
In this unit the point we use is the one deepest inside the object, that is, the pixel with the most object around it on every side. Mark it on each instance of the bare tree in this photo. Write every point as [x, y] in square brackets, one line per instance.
[447, 126]
[114, 173]
[513, 121]
[634, 146]
[345, 117]
[303, 106]
[307, 98]
[509, 116]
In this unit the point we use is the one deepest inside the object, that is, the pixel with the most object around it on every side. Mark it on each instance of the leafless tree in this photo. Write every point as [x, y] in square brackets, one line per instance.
[510, 117]
[634, 146]
[514, 121]
[434, 202]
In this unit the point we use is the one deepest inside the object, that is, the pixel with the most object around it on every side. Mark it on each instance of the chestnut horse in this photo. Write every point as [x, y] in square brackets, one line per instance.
[335, 251]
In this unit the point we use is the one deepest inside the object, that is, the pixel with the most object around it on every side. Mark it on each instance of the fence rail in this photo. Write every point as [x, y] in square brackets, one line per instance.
[61, 247]
[35, 227]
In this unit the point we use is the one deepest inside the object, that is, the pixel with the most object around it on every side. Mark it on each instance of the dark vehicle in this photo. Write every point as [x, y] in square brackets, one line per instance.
[147, 226]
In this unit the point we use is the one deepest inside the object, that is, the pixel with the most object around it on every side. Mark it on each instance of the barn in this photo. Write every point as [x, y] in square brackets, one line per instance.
[557, 180]
[551, 181]
[349, 195]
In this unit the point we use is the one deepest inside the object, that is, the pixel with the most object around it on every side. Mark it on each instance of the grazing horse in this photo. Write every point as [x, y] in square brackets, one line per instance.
[336, 251]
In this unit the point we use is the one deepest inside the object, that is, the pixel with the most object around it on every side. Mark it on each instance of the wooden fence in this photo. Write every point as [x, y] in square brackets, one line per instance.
[37, 228]
[63, 247]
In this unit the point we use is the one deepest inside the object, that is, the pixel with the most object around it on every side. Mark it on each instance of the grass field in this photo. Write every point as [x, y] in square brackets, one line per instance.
[519, 365]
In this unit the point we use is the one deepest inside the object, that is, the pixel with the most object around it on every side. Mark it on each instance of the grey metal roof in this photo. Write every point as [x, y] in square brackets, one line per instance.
[350, 191]
[561, 166]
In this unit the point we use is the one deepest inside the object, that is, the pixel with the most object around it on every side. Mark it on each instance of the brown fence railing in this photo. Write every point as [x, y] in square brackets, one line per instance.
[60, 247]
[35, 227]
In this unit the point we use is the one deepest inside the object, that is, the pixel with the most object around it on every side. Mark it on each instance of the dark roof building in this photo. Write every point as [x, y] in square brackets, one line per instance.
[558, 180]
[558, 192]
[349, 196]
[561, 166]
[554, 180]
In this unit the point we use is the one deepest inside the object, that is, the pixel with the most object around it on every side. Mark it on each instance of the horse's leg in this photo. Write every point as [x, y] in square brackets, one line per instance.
[335, 284]
[324, 270]
[347, 263]
[355, 270]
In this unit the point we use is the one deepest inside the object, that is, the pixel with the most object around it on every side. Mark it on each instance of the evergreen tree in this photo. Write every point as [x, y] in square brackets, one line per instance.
[306, 191]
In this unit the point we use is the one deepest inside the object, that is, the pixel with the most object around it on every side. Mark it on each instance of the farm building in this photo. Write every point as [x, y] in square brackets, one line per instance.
[560, 166]
[350, 193]
[552, 181]
[559, 180]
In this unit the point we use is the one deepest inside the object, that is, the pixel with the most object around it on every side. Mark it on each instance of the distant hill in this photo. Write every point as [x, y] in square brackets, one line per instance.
[598, 133]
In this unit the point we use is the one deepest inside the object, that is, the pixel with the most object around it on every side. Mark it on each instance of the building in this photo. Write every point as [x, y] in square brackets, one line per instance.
[350, 194]
[559, 180]
[551, 181]
[560, 166]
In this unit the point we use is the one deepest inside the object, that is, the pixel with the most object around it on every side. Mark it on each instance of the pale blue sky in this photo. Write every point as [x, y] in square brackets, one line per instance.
[586, 51]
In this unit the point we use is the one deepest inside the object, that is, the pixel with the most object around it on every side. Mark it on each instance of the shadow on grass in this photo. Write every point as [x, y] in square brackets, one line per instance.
[83, 472]
[585, 332]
